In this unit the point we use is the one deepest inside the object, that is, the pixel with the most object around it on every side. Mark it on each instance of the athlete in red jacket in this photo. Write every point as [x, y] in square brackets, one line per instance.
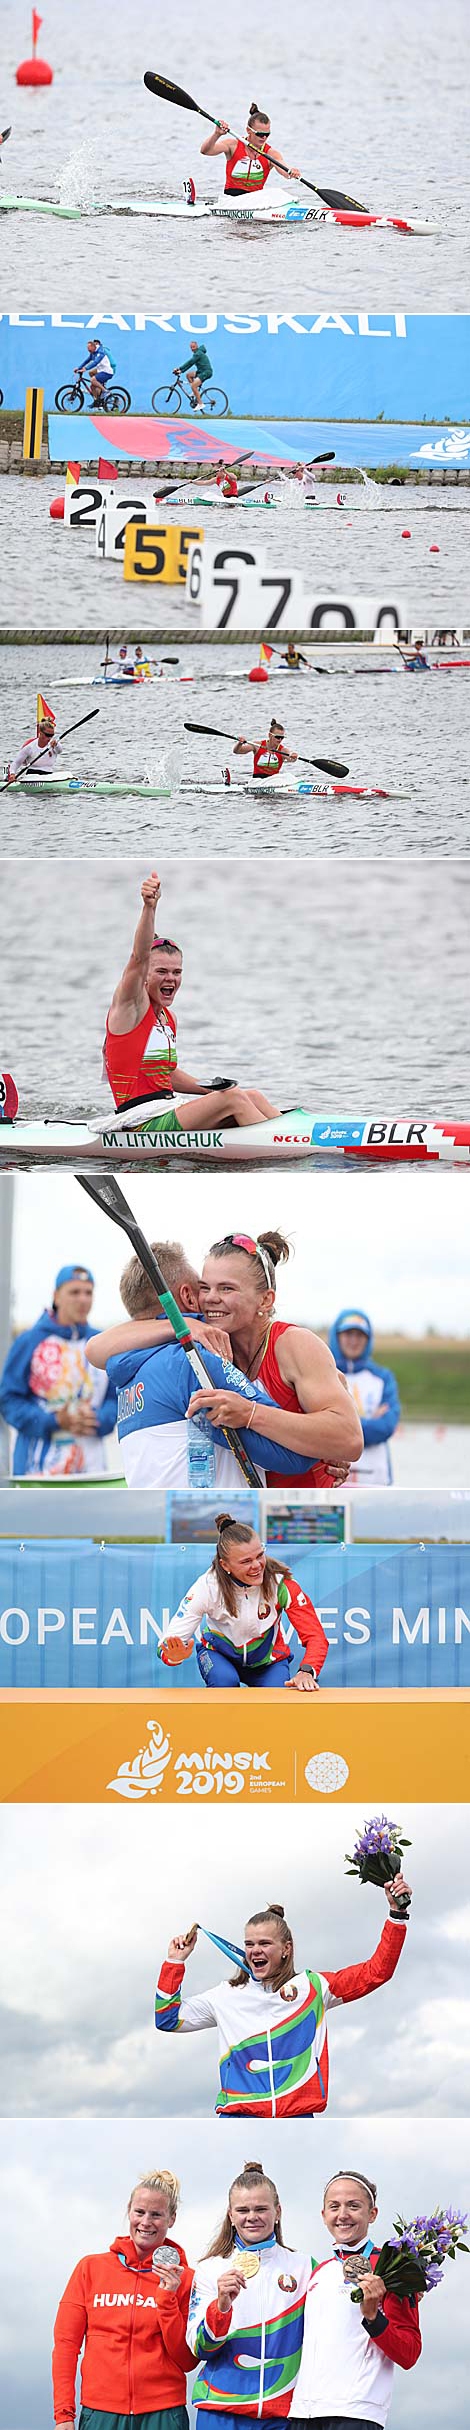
[128, 2308]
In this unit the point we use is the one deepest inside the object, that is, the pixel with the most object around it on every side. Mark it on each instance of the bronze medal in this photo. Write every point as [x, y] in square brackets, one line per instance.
[249, 2263]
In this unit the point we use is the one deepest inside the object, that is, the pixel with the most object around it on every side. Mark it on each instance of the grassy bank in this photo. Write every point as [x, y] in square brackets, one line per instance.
[433, 1377]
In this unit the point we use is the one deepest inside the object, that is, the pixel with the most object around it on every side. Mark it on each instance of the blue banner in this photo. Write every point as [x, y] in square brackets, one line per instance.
[74, 1615]
[140, 437]
[407, 367]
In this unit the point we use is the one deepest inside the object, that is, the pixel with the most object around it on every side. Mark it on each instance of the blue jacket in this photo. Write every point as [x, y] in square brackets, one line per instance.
[35, 1422]
[375, 1429]
[155, 1386]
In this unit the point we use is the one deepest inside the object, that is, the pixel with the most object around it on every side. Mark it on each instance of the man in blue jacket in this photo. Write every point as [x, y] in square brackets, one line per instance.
[374, 1391]
[60, 1407]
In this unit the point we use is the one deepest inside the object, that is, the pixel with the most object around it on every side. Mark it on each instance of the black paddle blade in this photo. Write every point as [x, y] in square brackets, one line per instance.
[6, 131]
[327, 457]
[331, 767]
[222, 730]
[340, 202]
[165, 91]
[110, 1198]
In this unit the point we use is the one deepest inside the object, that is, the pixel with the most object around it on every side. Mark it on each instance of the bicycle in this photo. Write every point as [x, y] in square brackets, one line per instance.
[71, 398]
[170, 399]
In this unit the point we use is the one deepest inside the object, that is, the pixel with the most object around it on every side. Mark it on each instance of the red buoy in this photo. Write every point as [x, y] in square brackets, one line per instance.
[34, 70]
[434, 549]
[406, 535]
[57, 509]
[258, 675]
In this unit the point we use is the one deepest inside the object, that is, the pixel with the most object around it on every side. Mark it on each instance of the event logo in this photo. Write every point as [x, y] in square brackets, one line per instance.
[144, 1776]
[456, 443]
[196, 1775]
[326, 1773]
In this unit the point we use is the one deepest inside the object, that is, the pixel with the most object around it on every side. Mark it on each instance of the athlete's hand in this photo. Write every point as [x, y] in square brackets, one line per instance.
[223, 1408]
[222, 127]
[229, 2285]
[212, 1337]
[174, 1650]
[396, 1889]
[293, 172]
[182, 1945]
[305, 1681]
[151, 889]
[372, 2294]
[170, 2279]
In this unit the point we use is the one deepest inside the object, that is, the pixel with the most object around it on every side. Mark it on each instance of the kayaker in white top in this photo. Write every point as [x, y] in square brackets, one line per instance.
[40, 747]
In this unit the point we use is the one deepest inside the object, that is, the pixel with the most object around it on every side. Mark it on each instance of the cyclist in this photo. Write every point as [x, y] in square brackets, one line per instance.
[98, 366]
[199, 371]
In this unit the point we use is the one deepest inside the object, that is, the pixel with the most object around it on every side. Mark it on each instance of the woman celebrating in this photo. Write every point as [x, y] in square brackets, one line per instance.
[238, 1291]
[246, 2311]
[140, 1054]
[249, 164]
[128, 2308]
[271, 2019]
[239, 1604]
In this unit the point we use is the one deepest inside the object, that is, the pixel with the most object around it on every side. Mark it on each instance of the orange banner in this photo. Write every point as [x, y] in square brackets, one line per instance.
[96, 1749]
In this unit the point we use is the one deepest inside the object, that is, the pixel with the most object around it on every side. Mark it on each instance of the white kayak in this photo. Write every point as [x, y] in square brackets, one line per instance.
[275, 790]
[103, 785]
[289, 1136]
[31, 202]
[265, 214]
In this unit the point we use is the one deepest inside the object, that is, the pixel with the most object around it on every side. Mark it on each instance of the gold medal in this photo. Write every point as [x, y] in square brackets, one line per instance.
[249, 2263]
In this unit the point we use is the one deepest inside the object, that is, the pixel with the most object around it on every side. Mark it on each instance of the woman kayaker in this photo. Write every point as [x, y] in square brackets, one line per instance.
[241, 1606]
[270, 2016]
[140, 1056]
[268, 756]
[249, 163]
[238, 1291]
[128, 2308]
[246, 2312]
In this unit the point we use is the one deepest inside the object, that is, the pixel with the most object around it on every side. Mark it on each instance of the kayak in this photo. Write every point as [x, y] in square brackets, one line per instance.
[121, 683]
[29, 202]
[275, 792]
[293, 1134]
[264, 214]
[119, 785]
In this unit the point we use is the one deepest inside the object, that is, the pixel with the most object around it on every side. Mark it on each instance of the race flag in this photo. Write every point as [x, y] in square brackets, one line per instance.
[72, 475]
[42, 709]
[237, 1956]
[265, 654]
[37, 22]
[107, 471]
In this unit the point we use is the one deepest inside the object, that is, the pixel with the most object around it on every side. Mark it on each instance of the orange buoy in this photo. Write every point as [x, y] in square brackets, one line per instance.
[35, 71]
[57, 509]
[258, 675]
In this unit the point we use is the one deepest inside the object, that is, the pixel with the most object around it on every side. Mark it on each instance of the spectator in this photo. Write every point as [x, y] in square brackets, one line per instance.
[374, 1392]
[60, 1407]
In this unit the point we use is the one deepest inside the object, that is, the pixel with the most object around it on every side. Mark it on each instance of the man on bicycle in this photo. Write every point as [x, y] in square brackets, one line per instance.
[199, 370]
[99, 366]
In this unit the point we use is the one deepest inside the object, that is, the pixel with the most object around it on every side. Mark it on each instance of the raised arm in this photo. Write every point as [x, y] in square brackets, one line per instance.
[220, 141]
[130, 999]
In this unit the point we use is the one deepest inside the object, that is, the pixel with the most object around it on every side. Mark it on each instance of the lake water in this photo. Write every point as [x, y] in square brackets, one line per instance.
[375, 106]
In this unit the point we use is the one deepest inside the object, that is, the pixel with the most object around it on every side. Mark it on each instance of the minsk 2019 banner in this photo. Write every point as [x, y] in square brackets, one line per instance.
[79, 1616]
[358, 365]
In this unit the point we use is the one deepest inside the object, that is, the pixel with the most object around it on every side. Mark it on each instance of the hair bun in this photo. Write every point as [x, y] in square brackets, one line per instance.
[273, 1909]
[253, 2168]
[223, 1519]
[277, 1248]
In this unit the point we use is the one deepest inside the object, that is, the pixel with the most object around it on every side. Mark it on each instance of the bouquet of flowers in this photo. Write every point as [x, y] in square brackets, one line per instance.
[411, 2262]
[377, 1856]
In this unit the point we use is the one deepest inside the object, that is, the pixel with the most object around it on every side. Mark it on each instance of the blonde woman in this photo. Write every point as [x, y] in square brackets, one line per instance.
[128, 2309]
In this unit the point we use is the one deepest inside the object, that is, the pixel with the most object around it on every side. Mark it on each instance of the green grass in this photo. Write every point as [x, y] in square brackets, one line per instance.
[433, 1377]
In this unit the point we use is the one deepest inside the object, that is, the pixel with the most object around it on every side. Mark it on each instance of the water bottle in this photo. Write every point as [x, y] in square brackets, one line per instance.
[201, 1452]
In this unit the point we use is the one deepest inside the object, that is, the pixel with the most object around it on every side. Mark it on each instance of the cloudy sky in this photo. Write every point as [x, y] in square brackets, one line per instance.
[367, 1238]
[97, 1912]
[64, 2191]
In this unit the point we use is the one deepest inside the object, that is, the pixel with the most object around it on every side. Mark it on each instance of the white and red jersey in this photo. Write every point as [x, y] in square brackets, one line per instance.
[261, 1622]
[248, 2358]
[268, 758]
[227, 482]
[272, 2045]
[246, 171]
[33, 751]
[347, 2369]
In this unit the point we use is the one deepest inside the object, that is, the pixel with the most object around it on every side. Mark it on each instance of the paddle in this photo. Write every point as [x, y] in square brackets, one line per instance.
[6, 131]
[329, 767]
[165, 91]
[169, 492]
[79, 721]
[108, 1195]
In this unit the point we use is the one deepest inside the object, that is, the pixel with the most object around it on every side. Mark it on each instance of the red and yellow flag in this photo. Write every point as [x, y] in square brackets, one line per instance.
[265, 654]
[42, 709]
